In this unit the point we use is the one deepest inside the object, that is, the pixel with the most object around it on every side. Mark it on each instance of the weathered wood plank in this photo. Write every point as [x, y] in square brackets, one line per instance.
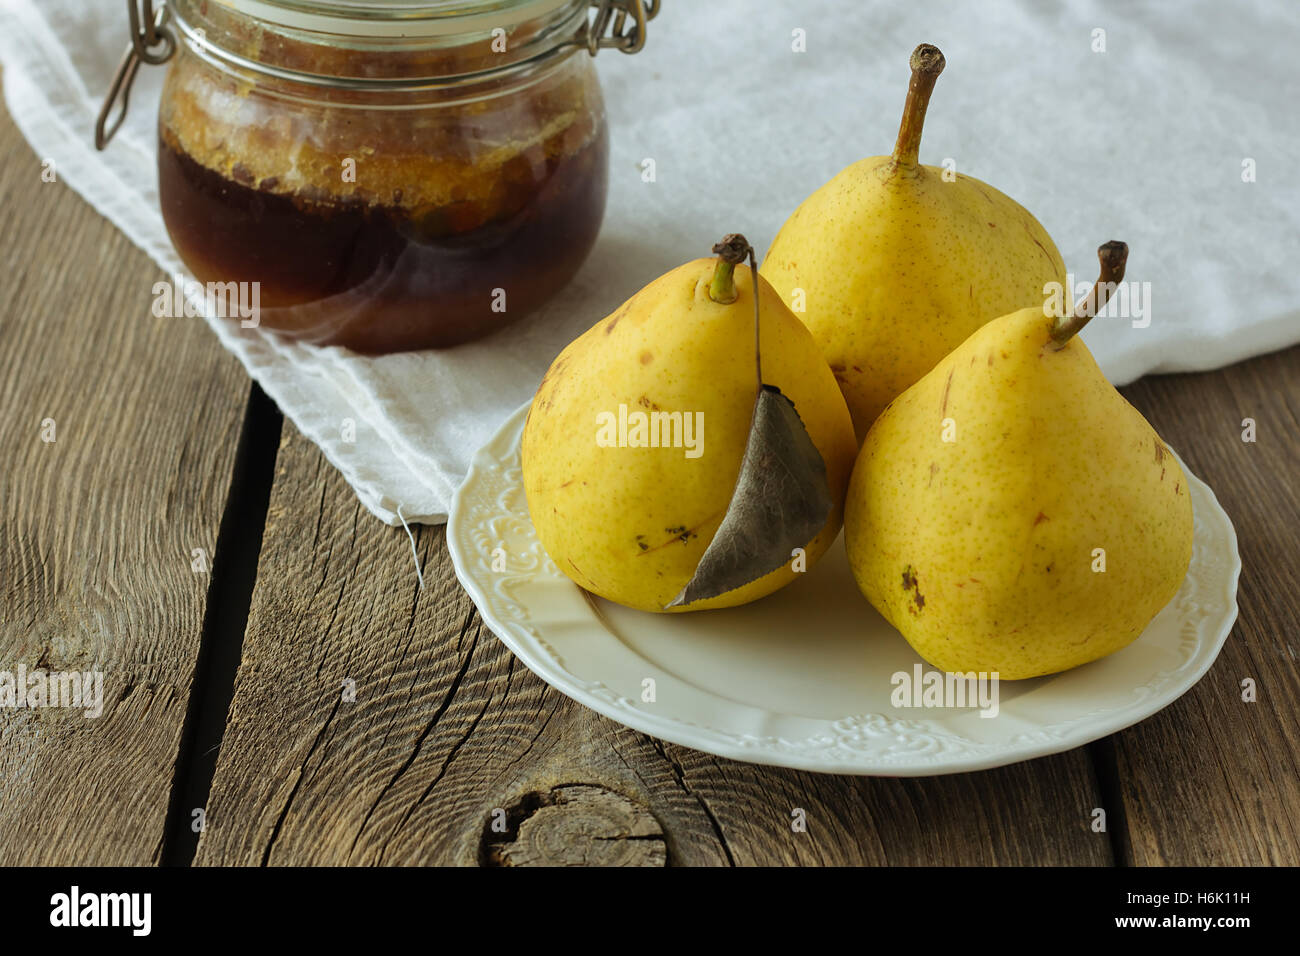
[1212, 779]
[97, 528]
[447, 728]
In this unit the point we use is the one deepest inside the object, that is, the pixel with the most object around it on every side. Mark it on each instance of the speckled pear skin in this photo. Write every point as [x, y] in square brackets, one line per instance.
[980, 551]
[898, 267]
[631, 524]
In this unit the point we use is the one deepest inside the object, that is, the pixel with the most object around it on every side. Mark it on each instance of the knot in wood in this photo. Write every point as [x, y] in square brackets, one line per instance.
[576, 825]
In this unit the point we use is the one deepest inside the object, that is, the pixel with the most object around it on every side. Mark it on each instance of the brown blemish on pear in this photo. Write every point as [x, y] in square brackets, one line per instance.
[580, 572]
[613, 319]
[681, 533]
[1040, 246]
[910, 583]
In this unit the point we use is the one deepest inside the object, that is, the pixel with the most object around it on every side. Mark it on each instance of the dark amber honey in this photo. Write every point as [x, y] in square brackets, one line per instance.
[383, 277]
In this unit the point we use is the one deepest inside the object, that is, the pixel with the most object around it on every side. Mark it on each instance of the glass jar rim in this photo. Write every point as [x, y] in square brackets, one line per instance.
[398, 18]
[553, 30]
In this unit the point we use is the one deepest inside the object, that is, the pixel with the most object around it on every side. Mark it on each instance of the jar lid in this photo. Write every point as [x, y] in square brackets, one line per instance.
[398, 18]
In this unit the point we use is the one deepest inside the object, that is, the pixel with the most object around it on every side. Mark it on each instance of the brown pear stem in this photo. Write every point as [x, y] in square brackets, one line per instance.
[927, 63]
[1113, 256]
[731, 251]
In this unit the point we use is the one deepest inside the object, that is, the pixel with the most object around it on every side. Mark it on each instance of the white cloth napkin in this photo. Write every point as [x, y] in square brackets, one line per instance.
[1143, 142]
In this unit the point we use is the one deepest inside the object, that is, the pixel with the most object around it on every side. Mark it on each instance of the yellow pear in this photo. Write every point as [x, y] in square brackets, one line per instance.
[892, 264]
[630, 521]
[1011, 512]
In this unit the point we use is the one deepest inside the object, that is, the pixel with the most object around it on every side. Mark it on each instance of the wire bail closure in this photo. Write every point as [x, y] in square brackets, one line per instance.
[624, 40]
[152, 42]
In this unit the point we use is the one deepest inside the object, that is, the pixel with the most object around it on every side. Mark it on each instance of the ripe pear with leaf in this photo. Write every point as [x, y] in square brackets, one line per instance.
[1011, 512]
[892, 264]
[747, 499]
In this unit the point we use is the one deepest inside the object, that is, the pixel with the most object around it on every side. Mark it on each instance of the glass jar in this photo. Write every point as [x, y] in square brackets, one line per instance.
[394, 175]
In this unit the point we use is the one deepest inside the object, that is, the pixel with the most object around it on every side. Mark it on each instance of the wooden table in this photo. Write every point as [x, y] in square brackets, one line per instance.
[222, 687]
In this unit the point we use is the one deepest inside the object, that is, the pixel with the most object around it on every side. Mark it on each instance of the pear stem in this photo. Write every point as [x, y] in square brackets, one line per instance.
[927, 63]
[731, 251]
[1113, 256]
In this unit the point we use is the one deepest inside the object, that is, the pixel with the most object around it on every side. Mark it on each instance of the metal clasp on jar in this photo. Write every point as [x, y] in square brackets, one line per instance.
[621, 37]
[152, 42]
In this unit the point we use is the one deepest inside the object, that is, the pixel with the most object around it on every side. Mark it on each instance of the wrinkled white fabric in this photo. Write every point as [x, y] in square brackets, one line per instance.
[1144, 142]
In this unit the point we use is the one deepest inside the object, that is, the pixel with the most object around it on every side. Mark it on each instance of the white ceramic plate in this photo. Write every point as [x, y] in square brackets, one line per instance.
[802, 678]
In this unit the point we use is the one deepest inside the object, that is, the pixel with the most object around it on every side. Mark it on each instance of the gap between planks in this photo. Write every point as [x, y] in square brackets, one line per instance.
[230, 596]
